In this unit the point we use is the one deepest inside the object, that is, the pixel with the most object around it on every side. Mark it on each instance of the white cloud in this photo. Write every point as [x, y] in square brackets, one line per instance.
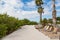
[19, 13]
[48, 7]
[58, 3]
[31, 4]
[23, 14]
[9, 5]
[9, 8]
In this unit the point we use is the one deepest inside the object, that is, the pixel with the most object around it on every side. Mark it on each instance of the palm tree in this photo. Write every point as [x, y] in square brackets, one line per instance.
[54, 16]
[40, 9]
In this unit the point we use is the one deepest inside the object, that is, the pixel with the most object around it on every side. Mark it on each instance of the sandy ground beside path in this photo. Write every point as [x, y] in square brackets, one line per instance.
[28, 32]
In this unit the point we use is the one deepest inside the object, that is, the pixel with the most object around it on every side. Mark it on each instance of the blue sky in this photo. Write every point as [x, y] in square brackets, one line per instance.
[27, 9]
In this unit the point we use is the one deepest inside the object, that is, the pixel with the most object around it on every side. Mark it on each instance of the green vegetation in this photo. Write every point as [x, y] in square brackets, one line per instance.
[9, 24]
[45, 21]
[58, 20]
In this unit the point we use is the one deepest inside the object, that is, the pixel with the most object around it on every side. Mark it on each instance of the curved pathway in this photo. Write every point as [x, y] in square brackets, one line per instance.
[28, 32]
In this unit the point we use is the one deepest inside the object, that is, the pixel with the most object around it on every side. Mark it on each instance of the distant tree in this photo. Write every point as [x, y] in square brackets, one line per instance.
[58, 18]
[44, 21]
[50, 21]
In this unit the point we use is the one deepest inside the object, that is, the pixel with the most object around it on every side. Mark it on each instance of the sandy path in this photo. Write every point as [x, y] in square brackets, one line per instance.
[26, 33]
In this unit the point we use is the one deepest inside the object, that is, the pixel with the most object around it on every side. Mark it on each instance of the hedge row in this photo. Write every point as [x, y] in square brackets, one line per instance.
[9, 24]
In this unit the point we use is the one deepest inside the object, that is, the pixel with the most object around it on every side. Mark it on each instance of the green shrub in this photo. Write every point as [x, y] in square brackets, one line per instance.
[9, 24]
[3, 30]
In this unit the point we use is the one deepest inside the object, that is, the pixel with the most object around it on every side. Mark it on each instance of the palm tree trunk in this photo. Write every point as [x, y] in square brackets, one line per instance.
[40, 18]
[54, 14]
[54, 18]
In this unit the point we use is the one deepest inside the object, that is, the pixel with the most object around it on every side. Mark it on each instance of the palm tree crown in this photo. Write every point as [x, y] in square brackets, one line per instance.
[38, 2]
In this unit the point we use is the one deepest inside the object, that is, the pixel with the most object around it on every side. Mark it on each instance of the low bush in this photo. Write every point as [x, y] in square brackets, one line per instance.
[9, 24]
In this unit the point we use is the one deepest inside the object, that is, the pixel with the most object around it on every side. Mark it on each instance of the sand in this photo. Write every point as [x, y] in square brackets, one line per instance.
[27, 32]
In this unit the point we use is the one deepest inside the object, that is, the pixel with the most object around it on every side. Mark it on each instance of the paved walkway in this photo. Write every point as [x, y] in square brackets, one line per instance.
[26, 33]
